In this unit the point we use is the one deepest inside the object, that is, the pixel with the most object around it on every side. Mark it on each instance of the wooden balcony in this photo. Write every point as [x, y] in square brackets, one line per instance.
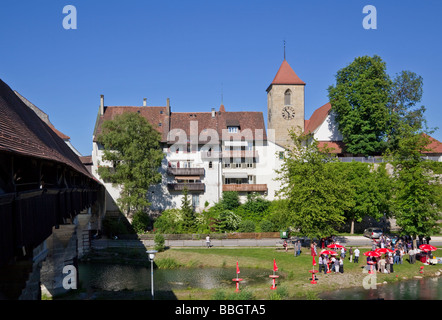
[245, 187]
[194, 186]
[185, 171]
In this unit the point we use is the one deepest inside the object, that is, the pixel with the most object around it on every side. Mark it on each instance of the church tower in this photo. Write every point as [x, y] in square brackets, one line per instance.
[285, 104]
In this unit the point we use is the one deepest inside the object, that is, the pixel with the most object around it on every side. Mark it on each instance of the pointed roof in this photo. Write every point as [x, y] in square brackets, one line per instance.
[286, 75]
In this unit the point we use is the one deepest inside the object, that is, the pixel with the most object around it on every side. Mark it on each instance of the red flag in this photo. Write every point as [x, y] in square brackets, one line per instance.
[237, 267]
[314, 261]
[275, 267]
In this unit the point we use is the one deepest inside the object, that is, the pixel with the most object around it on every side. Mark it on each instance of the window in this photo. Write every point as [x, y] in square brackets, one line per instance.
[251, 179]
[210, 165]
[232, 129]
[195, 200]
[287, 98]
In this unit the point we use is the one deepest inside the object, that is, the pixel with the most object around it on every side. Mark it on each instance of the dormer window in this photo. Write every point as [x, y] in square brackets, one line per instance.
[288, 98]
[232, 129]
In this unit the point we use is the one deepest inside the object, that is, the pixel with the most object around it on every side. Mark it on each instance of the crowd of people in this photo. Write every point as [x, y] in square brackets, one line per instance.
[397, 248]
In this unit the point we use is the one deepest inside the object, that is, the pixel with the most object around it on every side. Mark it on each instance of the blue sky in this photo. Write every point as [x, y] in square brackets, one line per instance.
[190, 51]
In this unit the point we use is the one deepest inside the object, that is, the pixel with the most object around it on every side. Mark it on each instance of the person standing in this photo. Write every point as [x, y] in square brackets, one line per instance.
[298, 248]
[411, 255]
[322, 264]
[341, 265]
[208, 241]
[356, 255]
[350, 253]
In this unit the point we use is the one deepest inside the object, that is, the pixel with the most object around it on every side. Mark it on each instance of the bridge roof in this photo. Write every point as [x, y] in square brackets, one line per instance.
[22, 132]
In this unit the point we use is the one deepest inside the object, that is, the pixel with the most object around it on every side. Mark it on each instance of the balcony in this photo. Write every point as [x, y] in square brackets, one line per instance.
[211, 155]
[245, 187]
[195, 186]
[185, 171]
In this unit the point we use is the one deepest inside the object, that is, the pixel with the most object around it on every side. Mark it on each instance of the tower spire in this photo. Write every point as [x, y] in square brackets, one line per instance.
[284, 49]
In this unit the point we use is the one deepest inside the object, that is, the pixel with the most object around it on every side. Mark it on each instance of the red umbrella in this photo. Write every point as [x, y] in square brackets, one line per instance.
[334, 246]
[427, 247]
[372, 254]
[383, 250]
[328, 252]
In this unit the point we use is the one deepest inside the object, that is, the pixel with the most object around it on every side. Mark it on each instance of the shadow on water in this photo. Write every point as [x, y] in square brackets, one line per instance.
[130, 280]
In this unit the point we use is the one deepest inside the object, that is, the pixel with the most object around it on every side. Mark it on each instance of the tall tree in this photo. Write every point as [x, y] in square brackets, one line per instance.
[405, 116]
[359, 100]
[417, 200]
[187, 212]
[132, 156]
[370, 190]
[317, 193]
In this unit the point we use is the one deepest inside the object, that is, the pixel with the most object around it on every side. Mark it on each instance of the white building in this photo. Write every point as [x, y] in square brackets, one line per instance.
[215, 151]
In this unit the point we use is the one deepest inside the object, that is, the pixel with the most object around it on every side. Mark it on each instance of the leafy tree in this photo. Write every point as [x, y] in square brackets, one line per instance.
[417, 200]
[317, 193]
[230, 200]
[187, 212]
[369, 190]
[359, 100]
[133, 155]
[246, 226]
[405, 116]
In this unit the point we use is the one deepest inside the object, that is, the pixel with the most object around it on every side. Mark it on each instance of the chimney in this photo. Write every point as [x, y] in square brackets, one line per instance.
[144, 102]
[102, 104]
[213, 112]
[168, 107]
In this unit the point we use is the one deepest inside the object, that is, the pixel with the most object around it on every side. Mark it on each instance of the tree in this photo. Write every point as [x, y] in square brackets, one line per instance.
[230, 200]
[417, 200]
[317, 193]
[405, 116]
[359, 100]
[132, 148]
[370, 190]
[187, 212]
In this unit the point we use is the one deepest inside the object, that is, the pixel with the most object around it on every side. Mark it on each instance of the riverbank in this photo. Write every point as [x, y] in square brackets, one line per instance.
[294, 282]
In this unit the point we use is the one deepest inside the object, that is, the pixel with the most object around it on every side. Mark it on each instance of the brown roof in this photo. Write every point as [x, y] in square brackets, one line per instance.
[434, 146]
[334, 146]
[286, 75]
[201, 123]
[155, 116]
[22, 132]
[317, 118]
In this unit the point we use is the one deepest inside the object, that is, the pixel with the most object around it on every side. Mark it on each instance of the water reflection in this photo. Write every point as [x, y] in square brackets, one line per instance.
[417, 289]
[120, 277]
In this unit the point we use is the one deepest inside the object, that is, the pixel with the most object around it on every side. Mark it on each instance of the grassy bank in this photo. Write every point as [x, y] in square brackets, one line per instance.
[294, 273]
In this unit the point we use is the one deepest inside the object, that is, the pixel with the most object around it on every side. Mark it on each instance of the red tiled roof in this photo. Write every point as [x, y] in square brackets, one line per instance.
[155, 116]
[22, 132]
[434, 146]
[317, 118]
[286, 75]
[334, 146]
[203, 122]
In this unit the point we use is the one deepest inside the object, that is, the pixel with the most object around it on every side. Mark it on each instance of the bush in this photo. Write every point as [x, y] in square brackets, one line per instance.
[140, 221]
[170, 221]
[159, 242]
[267, 226]
[246, 226]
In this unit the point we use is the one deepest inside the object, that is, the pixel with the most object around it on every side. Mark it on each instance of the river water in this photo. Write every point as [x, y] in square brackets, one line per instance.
[416, 289]
[110, 277]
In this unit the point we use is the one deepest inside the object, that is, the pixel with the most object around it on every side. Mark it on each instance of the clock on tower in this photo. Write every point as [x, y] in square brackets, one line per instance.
[285, 104]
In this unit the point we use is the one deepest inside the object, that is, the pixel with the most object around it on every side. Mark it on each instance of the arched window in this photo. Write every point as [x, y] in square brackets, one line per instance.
[288, 98]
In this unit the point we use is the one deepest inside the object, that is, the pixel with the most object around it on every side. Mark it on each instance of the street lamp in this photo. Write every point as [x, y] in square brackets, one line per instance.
[151, 254]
